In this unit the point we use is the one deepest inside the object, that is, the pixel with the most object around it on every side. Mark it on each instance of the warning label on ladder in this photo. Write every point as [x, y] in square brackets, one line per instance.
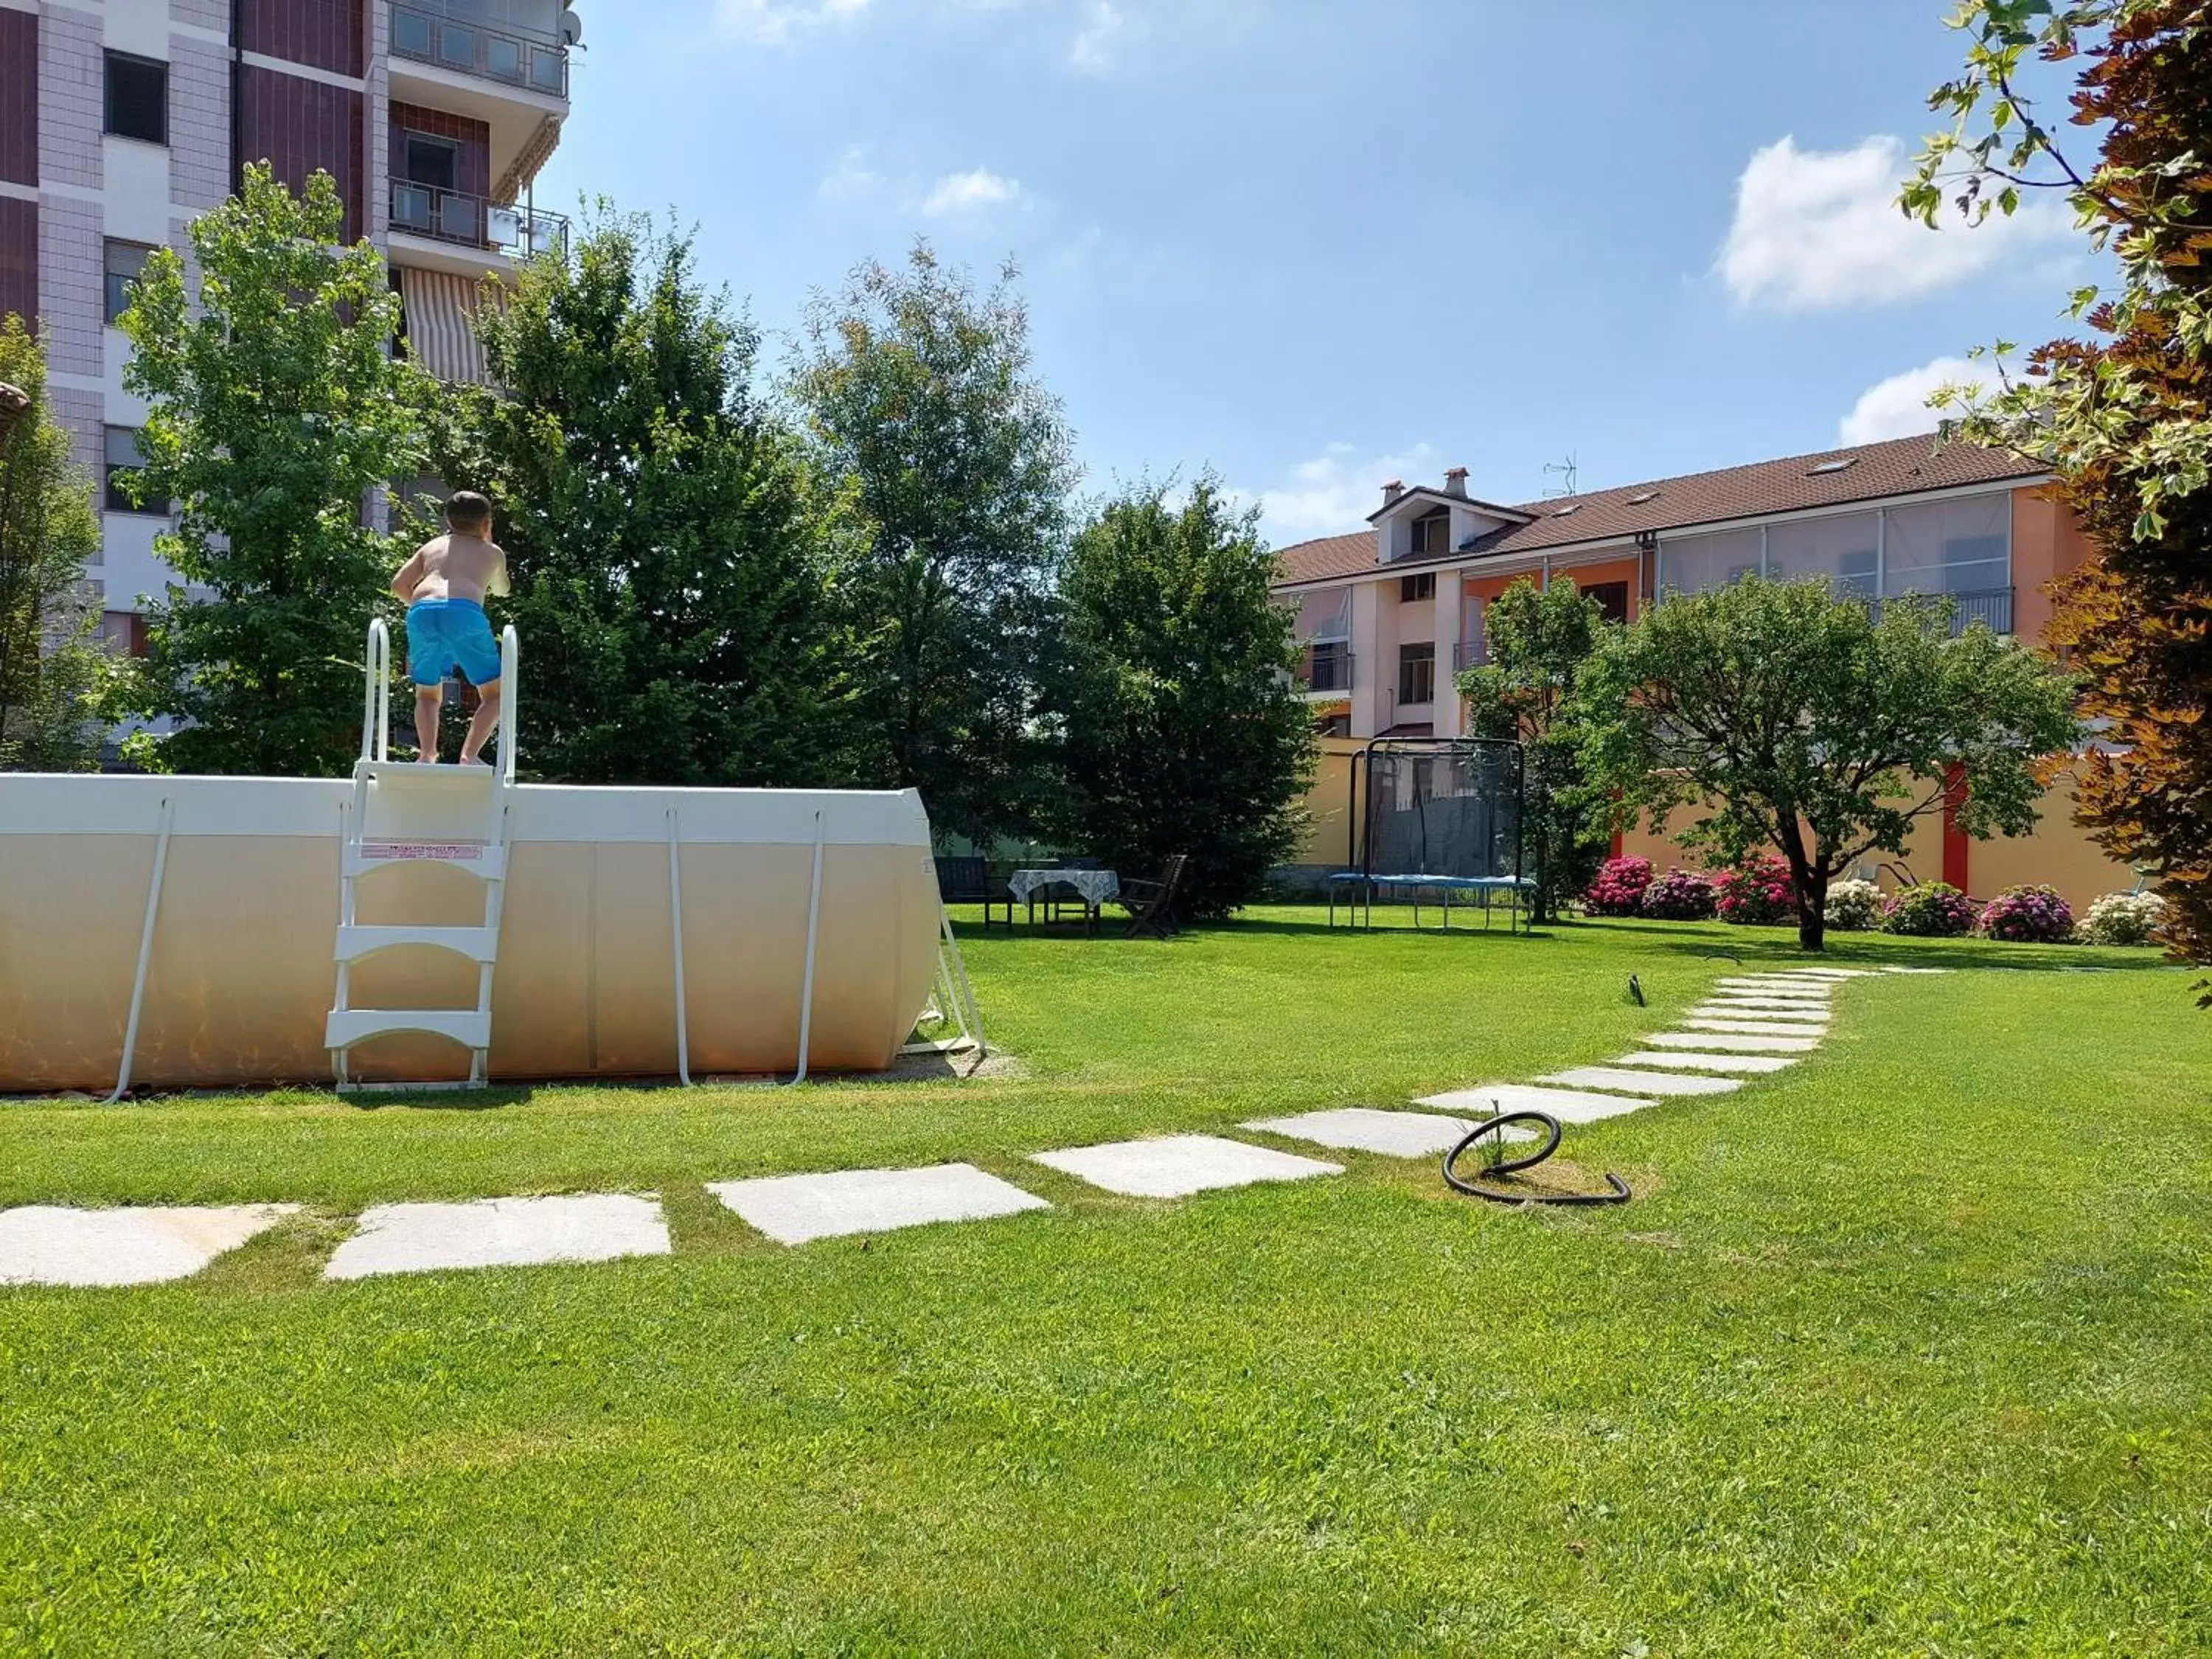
[451, 852]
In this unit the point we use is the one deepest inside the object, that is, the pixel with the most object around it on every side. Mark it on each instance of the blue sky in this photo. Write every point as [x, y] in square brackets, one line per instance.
[1316, 244]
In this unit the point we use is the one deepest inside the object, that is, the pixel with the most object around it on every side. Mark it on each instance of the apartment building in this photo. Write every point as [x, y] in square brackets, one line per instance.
[122, 120]
[1391, 614]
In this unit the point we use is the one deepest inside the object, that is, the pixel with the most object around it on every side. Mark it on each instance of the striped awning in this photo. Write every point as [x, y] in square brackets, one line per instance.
[441, 314]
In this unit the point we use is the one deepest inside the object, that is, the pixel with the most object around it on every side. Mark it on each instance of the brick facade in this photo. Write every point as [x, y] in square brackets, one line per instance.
[199, 123]
[71, 279]
[71, 92]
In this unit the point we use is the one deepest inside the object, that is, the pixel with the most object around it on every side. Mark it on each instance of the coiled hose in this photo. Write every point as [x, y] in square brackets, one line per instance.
[1550, 1127]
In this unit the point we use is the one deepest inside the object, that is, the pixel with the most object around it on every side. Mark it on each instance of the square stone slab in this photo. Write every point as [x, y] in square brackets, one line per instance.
[1568, 1105]
[43, 1245]
[792, 1209]
[1732, 1045]
[1801, 990]
[1176, 1166]
[1618, 1079]
[1750, 1065]
[501, 1232]
[1915, 970]
[1831, 973]
[1751, 1027]
[1363, 1129]
[1810, 1018]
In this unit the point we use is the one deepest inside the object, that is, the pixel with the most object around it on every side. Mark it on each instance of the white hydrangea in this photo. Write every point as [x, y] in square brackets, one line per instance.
[2123, 919]
[1854, 907]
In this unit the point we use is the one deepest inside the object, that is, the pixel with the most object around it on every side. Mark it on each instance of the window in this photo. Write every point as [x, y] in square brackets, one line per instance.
[1417, 672]
[1423, 587]
[1333, 726]
[1330, 667]
[1960, 546]
[124, 631]
[1839, 546]
[432, 161]
[125, 262]
[1697, 564]
[123, 457]
[1611, 598]
[139, 98]
[1432, 532]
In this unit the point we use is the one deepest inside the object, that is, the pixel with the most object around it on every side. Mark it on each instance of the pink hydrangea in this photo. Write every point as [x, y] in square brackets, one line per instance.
[1757, 893]
[1679, 896]
[1618, 888]
[2029, 915]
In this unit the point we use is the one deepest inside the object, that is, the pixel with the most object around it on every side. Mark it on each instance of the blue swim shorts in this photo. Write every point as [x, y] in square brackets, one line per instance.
[443, 635]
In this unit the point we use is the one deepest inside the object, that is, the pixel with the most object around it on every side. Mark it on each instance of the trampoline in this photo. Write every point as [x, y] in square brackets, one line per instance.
[1435, 819]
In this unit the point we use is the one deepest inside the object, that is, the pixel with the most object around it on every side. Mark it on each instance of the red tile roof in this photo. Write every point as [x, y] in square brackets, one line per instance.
[1902, 467]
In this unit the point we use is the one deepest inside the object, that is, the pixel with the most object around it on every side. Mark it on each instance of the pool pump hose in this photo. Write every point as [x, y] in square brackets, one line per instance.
[1498, 1126]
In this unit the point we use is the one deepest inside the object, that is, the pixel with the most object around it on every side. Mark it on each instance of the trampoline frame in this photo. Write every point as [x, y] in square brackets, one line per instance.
[1363, 881]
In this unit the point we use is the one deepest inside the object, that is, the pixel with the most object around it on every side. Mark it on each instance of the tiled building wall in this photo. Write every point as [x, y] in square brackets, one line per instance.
[70, 83]
[473, 175]
[323, 34]
[19, 97]
[380, 122]
[81, 412]
[199, 123]
[298, 127]
[19, 258]
[200, 14]
[71, 266]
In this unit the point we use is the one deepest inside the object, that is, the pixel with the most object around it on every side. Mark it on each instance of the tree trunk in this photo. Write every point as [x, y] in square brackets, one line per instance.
[1812, 890]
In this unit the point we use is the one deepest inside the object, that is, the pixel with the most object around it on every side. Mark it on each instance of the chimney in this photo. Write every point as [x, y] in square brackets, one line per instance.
[1456, 481]
[1392, 490]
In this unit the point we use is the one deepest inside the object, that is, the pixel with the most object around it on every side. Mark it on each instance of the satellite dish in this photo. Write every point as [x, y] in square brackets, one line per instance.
[572, 29]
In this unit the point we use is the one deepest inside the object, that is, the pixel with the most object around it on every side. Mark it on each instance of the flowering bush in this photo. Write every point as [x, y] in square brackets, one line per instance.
[1756, 893]
[1618, 888]
[2029, 915]
[2123, 919]
[1934, 909]
[1679, 895]
[1854, 907]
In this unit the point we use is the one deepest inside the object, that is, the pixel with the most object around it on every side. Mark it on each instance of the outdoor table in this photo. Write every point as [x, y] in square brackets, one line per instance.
[1093, 887]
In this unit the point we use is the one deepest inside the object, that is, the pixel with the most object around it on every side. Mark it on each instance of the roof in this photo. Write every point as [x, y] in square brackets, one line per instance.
[1902, 467]
[1444, 498]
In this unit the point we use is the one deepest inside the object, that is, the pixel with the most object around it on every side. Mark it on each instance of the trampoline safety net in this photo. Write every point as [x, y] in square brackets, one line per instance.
[1447, 808]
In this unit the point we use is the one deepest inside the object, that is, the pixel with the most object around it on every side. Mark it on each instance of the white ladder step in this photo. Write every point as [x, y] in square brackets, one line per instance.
[415, 778]
[347, 1026]
[478, 945]
[486, 863]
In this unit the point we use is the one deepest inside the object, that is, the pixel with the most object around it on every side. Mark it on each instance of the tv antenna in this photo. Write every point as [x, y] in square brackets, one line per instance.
[1563, 469]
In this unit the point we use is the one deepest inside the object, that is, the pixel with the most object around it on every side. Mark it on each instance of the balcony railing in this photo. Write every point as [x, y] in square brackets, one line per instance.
[1328, 671]
[429, 34]
[1992, 606]
[450, 216]
[1469, 654]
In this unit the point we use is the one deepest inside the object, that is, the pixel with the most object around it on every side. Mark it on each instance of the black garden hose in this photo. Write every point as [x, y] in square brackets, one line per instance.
[1497, 1126]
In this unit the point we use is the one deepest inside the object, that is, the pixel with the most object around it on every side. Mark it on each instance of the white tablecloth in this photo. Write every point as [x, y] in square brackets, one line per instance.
[1096, 886]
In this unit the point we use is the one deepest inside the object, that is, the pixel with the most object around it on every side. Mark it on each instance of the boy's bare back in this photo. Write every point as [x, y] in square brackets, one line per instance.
[453, 565]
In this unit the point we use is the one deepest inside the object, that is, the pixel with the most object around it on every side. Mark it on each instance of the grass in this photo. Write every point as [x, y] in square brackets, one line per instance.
[1901, 1352]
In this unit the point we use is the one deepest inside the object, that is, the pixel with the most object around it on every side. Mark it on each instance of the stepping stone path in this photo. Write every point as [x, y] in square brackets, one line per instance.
[1176, 1166]
[501, 1232]
[40, 1244]
[1750, 1025]
[792, 1209]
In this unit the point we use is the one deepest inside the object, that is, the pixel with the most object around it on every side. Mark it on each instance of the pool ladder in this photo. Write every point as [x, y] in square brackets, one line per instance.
[455, 816]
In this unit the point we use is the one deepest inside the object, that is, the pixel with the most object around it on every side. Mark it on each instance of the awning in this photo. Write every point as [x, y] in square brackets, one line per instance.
[441, 314]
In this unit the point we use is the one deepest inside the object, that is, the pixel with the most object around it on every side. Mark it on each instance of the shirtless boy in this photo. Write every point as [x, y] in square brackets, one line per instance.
[444, 585]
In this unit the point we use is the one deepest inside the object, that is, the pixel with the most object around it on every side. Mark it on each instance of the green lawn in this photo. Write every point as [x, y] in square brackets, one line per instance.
[1907, 1350]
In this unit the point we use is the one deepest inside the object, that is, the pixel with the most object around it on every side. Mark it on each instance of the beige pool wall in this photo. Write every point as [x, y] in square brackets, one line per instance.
[242, 972]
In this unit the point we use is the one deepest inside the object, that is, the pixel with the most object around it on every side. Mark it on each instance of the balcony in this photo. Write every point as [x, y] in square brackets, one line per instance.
[1469, 654]
[451, 36]
[1992, 606]
[470, 221]
[1327, 673]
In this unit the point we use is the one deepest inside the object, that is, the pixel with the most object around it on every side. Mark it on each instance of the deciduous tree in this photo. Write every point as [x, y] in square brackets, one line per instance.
[1780, 717]
[923, 395]
[277, 415]
[2123, 419]
[51, 666]
[1179, 729]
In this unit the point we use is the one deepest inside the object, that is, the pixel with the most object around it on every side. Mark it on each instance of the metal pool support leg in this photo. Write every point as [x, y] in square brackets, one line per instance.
[676, 946]
[813, 929]
[145, 945]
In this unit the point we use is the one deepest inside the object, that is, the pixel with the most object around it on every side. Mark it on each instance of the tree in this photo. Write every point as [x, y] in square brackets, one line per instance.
[277, 418]
[922, 394]
[2124, 423]
[672, 553]
[1179, 731]
[50, 669]
[1788, 719]
[1538, 639]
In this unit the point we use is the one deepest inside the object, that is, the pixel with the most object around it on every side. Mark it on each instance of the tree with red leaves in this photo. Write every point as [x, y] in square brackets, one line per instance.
[2124, 419]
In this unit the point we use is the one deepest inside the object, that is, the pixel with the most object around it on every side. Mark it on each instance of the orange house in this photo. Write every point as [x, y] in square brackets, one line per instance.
[1389, 614]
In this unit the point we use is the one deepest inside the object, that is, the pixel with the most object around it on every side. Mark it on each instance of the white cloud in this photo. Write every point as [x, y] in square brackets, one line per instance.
[1816, 229]
[773, 22]
[1898, 407]
[1332, 493]
[1093, 49]
[852, 179]
[969, 193]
